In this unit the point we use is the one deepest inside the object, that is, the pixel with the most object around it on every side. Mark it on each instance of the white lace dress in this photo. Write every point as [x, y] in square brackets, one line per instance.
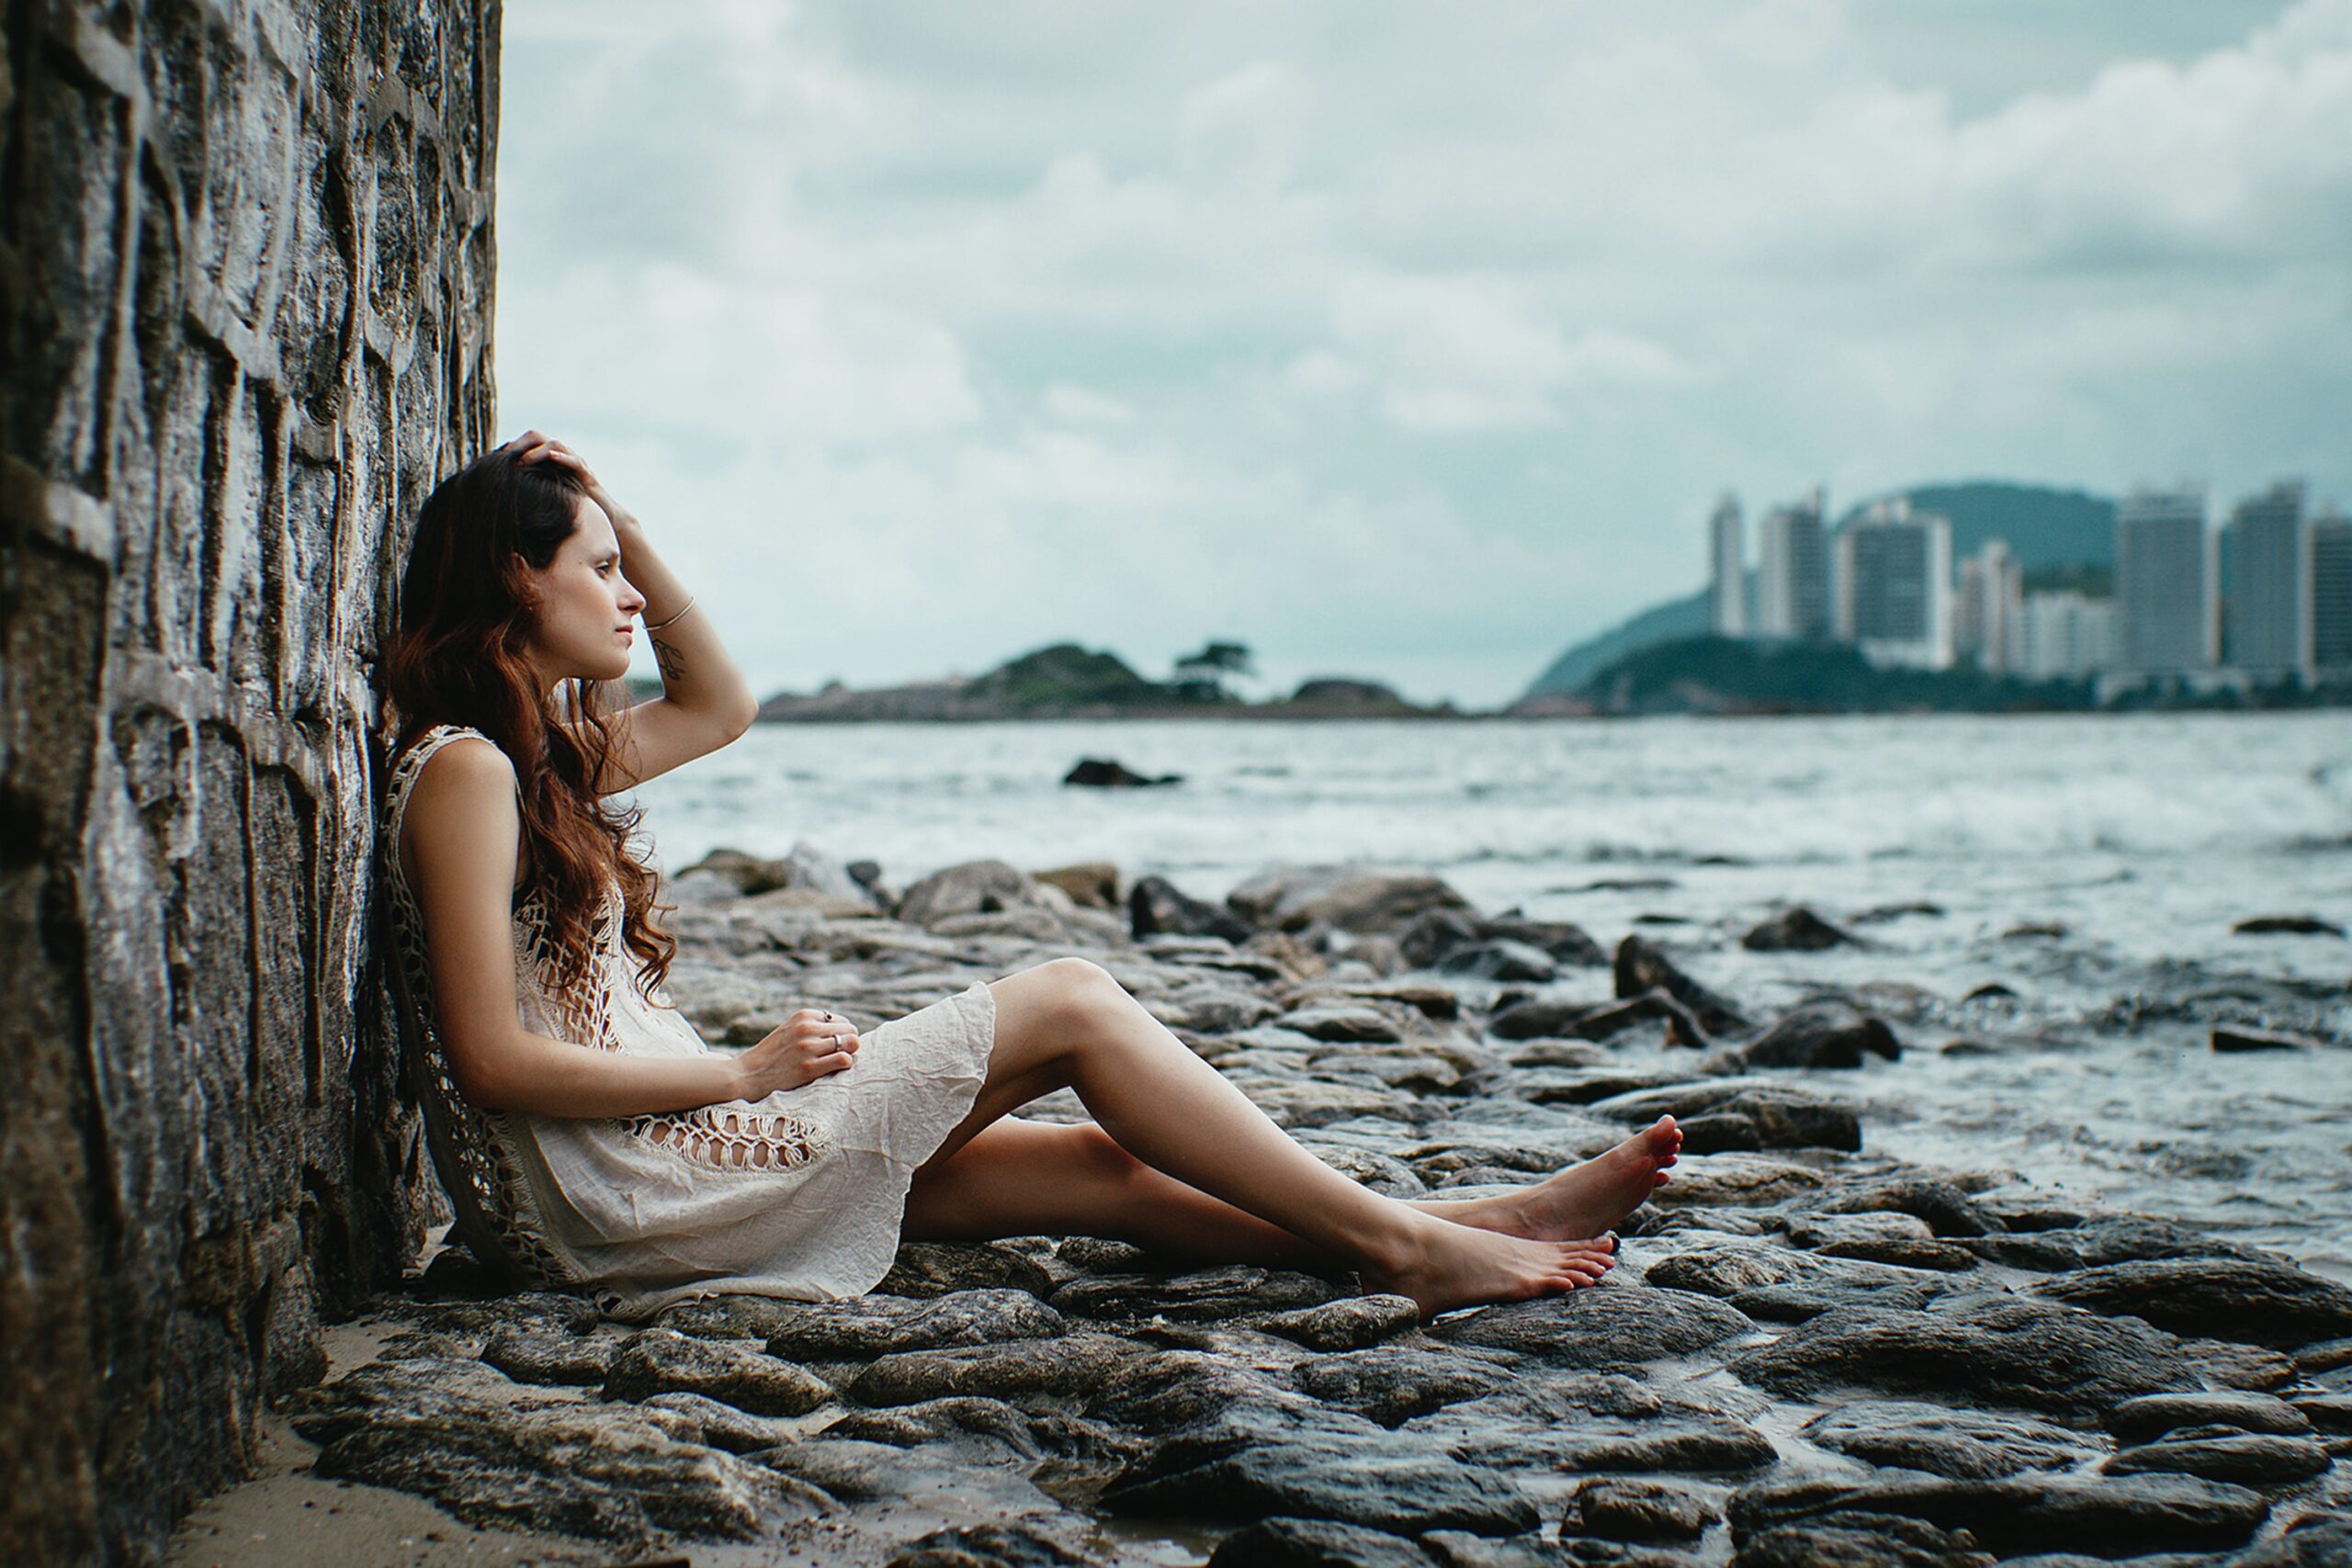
[798, 1195]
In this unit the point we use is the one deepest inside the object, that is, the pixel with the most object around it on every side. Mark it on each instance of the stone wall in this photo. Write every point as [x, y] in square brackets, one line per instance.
[245, 273]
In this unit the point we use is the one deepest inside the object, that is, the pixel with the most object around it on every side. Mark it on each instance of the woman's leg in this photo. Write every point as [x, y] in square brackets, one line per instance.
[1069, 1024]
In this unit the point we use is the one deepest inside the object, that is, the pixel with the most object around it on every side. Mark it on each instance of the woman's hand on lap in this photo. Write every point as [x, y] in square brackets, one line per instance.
[804, 1047]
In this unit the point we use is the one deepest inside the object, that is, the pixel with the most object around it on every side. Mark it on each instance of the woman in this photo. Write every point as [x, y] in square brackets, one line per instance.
[645, 1168]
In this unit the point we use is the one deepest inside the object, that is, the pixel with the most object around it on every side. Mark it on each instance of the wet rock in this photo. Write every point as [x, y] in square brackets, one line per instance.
[1207, 1295]
[2248, 1301]
[1625, 1509]
[1942, 1207]
[1964, 1444]
[1364, 1025]
[2014, 1352]
[1107, 773]
[2108, 1518]
[729, 1317]
[1318, 1463]
[1794, 930]
[1640, 967]
[1562, 941]
[1348, 1325]
[1214, 1010]
[1454, 1549]
[2321, 1540]
[1413, 1070]
[859, 1472]
[1091, 884]
[1903, 1240]
[1159, 1391]
[867, 1326]
[2249, 1458]
[1314, 1544]
[936, 1267]
[1721, 1133]
[2118, 1239]
[1072, 1366]
[1157, 905]
[660, 1360]
[1821, 1034]
[1698, 1443]
[1309, 1104]
[2245, 1037]
[975, 887]
[1850, 1538]
[990, 1546]
[1502, 959]
[448, 1430]
[1602, 1326]
[2143, 1420]
[1349, 899]
[1783, 1118]
[536, 1355]
[993, 1428]
[2326, 1412]
[1540, 1018]
[1394, 1383]
[1429, 937]
[1736, 1181]
[1778, 1284]
[2287, 925]
[722, 1426]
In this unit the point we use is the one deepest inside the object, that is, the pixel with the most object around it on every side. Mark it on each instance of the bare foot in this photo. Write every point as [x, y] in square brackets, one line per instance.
[1452, 1265]
[1588, 1200]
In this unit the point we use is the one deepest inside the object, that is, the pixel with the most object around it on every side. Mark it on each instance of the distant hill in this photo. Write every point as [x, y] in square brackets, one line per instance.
[2052, 531]
[1715, 674]
[2046, 527]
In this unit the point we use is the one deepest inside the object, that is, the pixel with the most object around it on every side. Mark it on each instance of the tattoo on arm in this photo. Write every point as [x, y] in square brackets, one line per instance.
[669, 658]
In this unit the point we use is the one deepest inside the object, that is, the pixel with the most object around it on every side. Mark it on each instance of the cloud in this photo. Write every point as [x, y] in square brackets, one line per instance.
[1360, 325]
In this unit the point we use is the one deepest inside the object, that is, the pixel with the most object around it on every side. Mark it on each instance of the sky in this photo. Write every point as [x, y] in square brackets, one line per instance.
[1392, 339]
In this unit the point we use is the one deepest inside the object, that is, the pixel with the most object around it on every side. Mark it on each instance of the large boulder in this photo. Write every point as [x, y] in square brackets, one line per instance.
[2250, 1301]
[1821, 1034]
[1603, 1327]
[1158, 907]
[1999, 1351]
[974, 887]
[1640, 967]
[2023, 1513]
[1352, 898]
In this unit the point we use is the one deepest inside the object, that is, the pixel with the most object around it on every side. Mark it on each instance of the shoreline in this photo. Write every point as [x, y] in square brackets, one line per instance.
[1754, 1374]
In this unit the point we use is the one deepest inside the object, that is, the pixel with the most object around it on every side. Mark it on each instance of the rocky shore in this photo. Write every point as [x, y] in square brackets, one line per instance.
[1811, 1353]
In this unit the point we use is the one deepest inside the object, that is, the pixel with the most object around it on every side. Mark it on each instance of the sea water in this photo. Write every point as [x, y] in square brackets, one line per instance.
[2135, 841]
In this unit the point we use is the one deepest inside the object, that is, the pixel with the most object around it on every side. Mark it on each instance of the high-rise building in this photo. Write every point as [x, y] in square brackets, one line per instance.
[2163, 602]
[2068, 635]
[2265, 597]
[1793, 576]
[1727, 569]
[2331, 608]
[1988, 610]
[1892, 586]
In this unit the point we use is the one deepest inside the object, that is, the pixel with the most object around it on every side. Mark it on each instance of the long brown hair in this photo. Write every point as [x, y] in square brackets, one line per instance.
[467, 605]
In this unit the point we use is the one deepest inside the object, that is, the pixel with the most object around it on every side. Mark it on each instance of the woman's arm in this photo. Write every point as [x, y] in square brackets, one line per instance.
[704, 701]
[463, 833]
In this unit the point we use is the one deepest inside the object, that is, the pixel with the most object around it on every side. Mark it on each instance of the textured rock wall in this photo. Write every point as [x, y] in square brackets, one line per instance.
[246, 274]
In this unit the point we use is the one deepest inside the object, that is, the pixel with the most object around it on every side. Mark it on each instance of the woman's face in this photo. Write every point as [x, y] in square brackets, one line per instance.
[581, 628]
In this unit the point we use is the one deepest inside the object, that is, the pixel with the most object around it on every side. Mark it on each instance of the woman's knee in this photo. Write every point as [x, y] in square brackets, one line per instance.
[1080, 993]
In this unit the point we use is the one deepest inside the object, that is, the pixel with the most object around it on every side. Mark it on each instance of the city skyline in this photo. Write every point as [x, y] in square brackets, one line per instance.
[2262, 595]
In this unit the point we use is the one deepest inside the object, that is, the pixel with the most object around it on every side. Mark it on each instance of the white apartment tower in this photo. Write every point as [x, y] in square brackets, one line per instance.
[2068, 635]
[1727, 569]
[1792, 576]
[1892, 586]
[2163, 602]
[2266, 591]
[1989, 616]
[2331, 604]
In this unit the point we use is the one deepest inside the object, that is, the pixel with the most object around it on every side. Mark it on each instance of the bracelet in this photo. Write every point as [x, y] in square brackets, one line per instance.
[659, 625]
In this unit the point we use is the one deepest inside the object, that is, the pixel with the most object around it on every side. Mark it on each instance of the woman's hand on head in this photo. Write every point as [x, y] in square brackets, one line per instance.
[532, 447]
[804, 1047]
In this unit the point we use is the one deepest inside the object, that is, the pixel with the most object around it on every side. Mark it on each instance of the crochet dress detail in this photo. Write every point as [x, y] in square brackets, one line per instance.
[798, 1195]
